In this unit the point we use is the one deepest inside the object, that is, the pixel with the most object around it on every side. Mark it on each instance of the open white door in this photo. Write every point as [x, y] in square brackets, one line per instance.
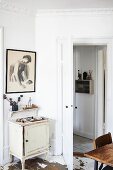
[101, 90]
[67, 78]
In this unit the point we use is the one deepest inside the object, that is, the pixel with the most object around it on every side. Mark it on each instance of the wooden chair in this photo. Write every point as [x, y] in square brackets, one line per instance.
[99, 142]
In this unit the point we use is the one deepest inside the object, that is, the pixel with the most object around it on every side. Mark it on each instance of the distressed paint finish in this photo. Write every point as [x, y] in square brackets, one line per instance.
[30, 141]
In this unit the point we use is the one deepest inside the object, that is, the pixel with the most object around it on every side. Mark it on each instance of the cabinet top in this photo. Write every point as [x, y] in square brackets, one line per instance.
[29, 123]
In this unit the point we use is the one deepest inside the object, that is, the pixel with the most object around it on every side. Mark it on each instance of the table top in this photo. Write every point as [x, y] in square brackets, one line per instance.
[103, 154]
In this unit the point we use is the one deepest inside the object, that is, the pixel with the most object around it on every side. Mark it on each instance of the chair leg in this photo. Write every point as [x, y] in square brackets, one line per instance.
[96, 165]
[101, 166]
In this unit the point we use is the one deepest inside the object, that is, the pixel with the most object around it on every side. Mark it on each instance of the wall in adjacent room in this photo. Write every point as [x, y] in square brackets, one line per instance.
[85, 57]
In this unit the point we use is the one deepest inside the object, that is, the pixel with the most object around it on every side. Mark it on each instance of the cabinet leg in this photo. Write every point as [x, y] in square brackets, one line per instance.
[11, 158]
[46, 156]
[23, 164]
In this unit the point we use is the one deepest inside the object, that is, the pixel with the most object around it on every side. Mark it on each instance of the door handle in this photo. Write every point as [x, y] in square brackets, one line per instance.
[26, 140]
[66, 106]
[76, 107]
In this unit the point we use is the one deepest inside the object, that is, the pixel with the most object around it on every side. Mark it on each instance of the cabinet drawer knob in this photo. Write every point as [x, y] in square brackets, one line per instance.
[26, 140]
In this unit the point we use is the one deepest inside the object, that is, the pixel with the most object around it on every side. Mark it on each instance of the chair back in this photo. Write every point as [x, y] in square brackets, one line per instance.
[102, 140]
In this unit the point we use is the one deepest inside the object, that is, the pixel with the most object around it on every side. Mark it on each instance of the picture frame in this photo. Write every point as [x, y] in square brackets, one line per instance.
[20, 71]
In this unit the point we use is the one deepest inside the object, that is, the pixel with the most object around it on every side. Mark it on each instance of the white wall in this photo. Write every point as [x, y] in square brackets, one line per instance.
[19, 33]
[1, 95]
[84, 115]
[53, 25]
[72, 4]
[30, 6]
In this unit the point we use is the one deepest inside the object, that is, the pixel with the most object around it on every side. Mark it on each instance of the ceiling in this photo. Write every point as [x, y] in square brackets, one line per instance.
[34, 5]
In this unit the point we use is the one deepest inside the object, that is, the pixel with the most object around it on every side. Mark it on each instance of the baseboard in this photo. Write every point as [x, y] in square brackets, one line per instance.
[86, 135]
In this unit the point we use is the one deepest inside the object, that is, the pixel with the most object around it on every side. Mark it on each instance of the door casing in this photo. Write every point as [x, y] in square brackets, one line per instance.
[73, 40]
[98, 110]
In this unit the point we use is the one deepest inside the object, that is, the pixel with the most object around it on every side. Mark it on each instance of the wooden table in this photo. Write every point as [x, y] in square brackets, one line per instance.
[103, 154]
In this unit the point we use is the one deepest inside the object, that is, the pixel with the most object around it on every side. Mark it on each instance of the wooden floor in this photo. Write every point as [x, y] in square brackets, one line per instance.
[34, 164]
[39, 164]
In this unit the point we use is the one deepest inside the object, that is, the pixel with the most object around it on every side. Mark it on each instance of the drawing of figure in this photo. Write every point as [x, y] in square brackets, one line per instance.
[19, 72]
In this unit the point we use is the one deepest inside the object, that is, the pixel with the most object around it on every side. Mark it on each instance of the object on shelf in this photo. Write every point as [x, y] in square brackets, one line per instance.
[33, 106]
[29, 102]
[79, 75]
[13, 103]
[84, 86]
[89, 76]
[84, 75]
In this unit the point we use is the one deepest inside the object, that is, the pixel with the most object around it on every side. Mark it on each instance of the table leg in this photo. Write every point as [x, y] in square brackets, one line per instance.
[96, 165]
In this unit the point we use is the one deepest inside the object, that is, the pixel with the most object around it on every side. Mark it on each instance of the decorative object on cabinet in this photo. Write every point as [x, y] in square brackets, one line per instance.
[84, 75]
[20, 71]
[13, 103]
[84, 86]
[32, 134]
[79, 75]
[89, 76]
[33, 106]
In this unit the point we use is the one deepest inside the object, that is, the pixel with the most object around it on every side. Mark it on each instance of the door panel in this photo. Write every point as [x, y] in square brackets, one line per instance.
[36, 138]
[100, 91]
[67, 106]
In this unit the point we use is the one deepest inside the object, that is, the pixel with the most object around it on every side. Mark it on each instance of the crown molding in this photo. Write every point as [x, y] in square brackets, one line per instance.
[7, 6]
[83, 11]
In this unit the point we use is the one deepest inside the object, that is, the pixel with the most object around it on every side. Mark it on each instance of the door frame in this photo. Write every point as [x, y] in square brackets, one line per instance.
[97, 131]
[100, 42]
[73, 40]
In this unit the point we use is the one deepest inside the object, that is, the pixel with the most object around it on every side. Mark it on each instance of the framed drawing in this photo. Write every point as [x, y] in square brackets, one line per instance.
[20, 71]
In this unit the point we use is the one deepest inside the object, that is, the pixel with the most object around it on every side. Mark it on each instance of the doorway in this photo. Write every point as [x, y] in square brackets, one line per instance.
[65, 98]
[89, 93]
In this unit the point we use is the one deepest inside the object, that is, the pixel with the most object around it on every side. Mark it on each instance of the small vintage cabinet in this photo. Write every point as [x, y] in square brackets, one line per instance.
[28, 139]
